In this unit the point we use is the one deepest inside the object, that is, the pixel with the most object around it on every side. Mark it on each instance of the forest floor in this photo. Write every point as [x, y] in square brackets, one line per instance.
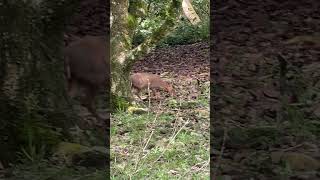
[266, 98]
[172, 140]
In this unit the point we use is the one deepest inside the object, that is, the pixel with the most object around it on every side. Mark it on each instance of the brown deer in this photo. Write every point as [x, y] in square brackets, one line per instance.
[87, 66]
[141, 81]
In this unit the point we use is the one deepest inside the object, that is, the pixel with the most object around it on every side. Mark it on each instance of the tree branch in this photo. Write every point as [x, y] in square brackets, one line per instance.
[156, 36]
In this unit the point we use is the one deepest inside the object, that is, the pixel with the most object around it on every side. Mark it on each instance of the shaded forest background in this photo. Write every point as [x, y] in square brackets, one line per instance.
[265, 94]
[32, 72]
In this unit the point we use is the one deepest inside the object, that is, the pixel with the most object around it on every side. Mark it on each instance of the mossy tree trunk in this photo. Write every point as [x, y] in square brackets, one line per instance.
[33, 105]
[120, 43]
[124, 21]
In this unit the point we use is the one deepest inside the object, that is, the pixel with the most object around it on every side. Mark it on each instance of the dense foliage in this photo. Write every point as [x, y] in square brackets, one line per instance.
[184, 32]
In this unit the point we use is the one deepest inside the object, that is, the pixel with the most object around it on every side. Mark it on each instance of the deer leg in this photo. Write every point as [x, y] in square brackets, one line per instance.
[158, 95]
[155, 94]
[72, 88]
[88, 102]
[137, 92]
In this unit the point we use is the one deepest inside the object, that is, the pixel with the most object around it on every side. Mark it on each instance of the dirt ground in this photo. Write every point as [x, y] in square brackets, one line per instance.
[251, 58]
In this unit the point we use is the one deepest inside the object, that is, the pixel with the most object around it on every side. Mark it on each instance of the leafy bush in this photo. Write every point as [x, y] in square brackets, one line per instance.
[184, 33]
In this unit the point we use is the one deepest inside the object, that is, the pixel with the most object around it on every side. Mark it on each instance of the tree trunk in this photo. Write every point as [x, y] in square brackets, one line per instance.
[32, 95]
[120, 43]
[122, 54]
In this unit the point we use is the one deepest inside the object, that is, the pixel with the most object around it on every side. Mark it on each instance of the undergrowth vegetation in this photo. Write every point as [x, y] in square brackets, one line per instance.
[170, 141]
[43, 169]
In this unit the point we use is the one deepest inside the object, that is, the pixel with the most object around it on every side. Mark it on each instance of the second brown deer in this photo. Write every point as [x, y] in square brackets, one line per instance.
[87, 66]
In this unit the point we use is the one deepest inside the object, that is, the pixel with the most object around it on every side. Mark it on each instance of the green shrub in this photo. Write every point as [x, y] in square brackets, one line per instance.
[119, 103]
[184, 32]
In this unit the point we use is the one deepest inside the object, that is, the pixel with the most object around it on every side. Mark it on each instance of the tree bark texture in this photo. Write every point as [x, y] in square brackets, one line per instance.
[33, 103]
